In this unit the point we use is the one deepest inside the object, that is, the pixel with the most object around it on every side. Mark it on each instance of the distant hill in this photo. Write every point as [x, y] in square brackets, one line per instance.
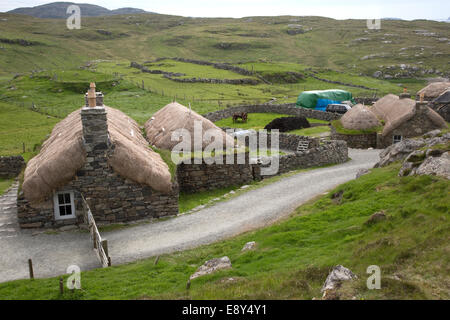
[57, 10]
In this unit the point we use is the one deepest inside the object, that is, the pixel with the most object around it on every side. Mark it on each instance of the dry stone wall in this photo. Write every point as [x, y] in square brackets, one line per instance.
[10, 167]
[288, 108]
[328, 152]
[201, 177]
[359, 141]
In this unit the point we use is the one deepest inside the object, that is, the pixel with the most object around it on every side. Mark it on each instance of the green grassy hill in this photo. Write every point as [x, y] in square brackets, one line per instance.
[293, 257]
[343, 45]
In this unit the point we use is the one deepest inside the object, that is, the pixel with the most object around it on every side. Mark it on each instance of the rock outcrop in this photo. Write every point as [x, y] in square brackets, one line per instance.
[334, 280]
[211, 266]
[403, 149]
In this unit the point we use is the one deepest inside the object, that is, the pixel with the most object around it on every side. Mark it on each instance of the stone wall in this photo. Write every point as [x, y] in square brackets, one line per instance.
[10, 167]
[366, 101]
[201, 177]
[328, 152]
[111, 197]
[285, 141]
[213, 80]
[288, 108]
[359, 141]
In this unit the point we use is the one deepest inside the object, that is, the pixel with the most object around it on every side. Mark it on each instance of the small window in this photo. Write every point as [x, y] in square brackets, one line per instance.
[64, 205]
[396, 139]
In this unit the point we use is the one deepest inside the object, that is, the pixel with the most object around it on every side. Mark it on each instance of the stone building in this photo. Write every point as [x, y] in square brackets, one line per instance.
[404, 118]
[395, 119]
[97, 153]
[438, 96]
[363, 123]
[441, 105]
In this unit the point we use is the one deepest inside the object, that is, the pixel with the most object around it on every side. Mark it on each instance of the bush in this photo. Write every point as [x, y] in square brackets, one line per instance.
[288, 123]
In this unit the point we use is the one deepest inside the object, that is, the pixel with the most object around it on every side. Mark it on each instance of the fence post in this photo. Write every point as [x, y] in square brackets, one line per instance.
[105, 246]
[95, 240]
[30, 268]
[23, 147]
[61, 285]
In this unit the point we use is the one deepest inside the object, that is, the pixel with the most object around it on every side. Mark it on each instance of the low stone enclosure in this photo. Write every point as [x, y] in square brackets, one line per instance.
[287, 108]
[10, 167]
[200, 177]
[358, 141]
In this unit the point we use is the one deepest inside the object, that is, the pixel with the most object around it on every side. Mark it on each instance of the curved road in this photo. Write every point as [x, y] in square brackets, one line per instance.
[53, 253]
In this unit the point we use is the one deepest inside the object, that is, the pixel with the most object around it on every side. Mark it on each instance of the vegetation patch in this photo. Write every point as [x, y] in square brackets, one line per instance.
[5, 184]
[337, 124]
[293, 257]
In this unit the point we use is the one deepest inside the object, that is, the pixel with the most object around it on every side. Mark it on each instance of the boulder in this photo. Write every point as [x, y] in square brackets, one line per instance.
[437, 166]
[377, 74]
[432, 134]
[415, 156]
[361, 172]
[399, 151]
[336, 276]
[249, 246]
[211, 266]
[376, 217]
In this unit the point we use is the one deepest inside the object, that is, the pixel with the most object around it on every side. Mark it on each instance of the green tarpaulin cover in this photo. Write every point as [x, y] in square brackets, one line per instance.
[319, 99]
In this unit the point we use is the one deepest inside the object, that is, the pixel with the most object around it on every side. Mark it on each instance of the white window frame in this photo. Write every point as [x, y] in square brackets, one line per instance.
[396, 141]
[56, 205]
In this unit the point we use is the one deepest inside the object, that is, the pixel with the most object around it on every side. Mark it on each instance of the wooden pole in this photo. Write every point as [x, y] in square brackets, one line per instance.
[30, 268]
[61, 285]
[23, 147]
[156, 260]
[105, 246]
[94, 237]
[188, 284]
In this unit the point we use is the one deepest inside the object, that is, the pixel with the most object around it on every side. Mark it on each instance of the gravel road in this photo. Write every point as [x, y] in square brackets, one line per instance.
[53, 253]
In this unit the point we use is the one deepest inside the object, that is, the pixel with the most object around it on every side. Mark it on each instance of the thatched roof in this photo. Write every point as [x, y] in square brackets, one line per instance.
[63, 154]
[359, 117]
[176, 116]
[443, 98]
[395, 111]
[433, 90]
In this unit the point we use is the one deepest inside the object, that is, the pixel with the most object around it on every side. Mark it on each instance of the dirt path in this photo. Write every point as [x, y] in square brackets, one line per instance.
[53, 253]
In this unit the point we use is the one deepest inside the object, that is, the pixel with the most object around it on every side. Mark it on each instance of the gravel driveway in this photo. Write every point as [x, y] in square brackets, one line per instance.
[53, 253]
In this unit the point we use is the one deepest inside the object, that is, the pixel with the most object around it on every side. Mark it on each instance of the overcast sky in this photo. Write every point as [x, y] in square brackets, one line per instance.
[338, 9]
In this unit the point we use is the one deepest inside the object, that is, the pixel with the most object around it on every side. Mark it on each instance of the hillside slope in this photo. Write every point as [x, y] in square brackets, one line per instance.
[292, 258]
[57, 10]
[399, 49]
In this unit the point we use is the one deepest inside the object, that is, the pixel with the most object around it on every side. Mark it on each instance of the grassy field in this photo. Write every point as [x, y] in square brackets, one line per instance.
[19, 126]
[5, 184]
[337, 44]
[293, 257]
[222, 95]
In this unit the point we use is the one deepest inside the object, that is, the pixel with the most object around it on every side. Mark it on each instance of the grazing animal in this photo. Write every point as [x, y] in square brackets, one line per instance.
[240, 115]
